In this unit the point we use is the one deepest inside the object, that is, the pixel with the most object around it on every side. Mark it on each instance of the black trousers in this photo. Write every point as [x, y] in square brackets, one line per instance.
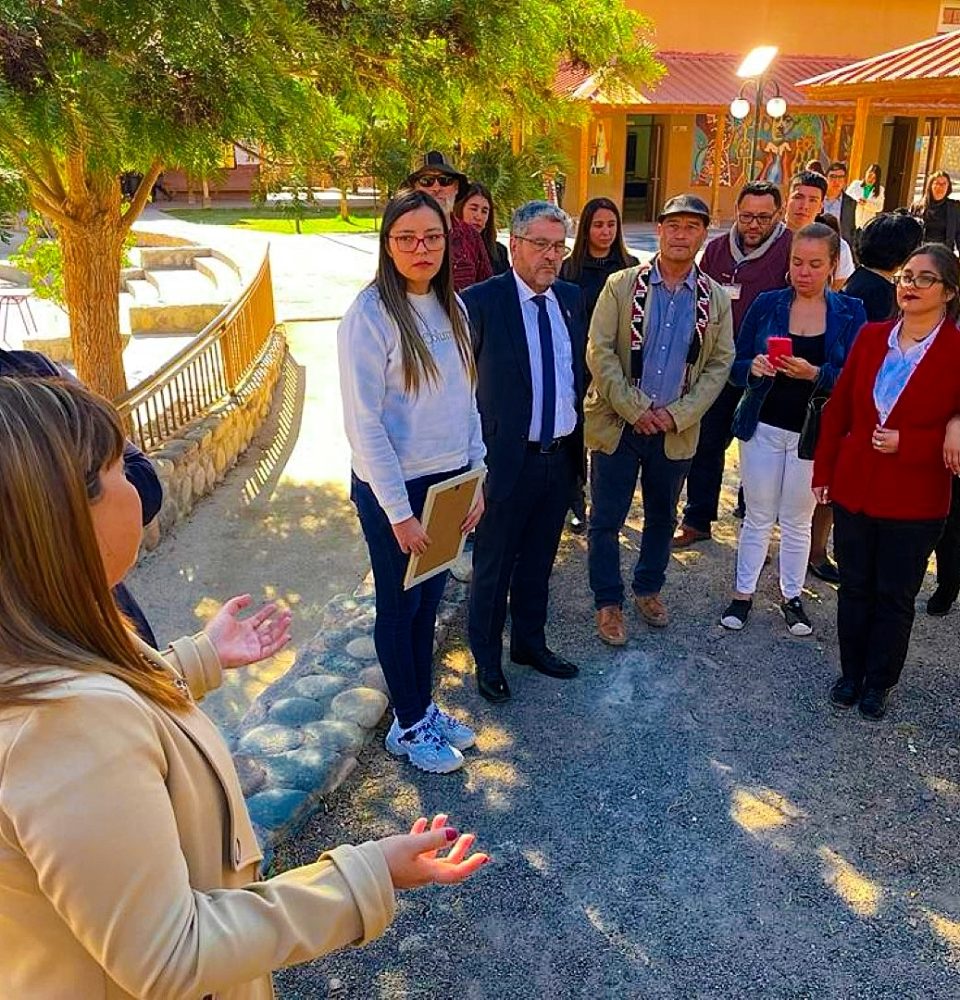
[948, 548]
[882, 563]
[513, 552]
[705, 478]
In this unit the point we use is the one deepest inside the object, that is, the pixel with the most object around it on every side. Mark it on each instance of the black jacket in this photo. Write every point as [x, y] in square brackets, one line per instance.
[504, 386]
[848, 218]
[593, 276]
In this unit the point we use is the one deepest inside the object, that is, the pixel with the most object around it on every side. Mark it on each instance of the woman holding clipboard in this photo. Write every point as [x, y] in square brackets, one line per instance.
[407, 379]
[793, 342]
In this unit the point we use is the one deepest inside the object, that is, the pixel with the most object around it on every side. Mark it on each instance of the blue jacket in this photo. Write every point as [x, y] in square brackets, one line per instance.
[769, 316]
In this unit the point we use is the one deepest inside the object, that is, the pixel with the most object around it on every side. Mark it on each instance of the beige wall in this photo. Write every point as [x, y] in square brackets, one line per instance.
[815, 27]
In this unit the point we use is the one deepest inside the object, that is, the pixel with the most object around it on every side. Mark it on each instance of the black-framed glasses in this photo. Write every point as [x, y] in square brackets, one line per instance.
[409, 243]
[922, 280]
[543, 246]
[428, 180]
[749, 218]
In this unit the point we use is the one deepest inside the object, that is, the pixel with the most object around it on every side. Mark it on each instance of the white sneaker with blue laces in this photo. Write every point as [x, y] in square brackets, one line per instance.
[423, 747]
[450, 728]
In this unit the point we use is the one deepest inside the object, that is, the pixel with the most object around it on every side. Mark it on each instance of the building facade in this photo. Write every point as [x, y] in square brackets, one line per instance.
[642, 147]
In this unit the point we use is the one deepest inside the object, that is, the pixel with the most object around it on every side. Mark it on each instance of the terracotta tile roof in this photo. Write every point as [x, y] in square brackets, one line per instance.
[706, 79]
[936, 58]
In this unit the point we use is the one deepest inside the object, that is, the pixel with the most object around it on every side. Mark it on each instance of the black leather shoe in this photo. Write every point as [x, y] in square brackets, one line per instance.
[939, 604]
[873, 704]
[826, 571]
[493, 686]
[845, 693]
[546, 662]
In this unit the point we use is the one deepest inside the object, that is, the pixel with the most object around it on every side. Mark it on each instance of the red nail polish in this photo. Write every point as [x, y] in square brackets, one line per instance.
[452, 834]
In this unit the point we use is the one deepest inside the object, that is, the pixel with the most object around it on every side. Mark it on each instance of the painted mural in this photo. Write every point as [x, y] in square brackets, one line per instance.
[784, 146]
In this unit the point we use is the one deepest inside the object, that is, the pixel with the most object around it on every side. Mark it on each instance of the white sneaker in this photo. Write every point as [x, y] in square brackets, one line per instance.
[423, 747]
[449, 728]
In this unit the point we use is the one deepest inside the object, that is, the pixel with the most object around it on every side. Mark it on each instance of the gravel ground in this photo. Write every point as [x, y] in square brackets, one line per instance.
[687, 819]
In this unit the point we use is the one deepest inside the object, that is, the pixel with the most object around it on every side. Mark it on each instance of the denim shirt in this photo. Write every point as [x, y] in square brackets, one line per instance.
[667, 335]
[769, 316]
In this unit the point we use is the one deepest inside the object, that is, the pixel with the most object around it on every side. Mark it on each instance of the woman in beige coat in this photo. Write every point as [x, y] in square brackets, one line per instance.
[128, 865]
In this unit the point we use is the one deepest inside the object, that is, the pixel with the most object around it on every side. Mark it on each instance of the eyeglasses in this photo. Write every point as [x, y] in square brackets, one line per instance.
[543, 246]
[428, 180]
[922, 280]
[749, 218]
[410, 244]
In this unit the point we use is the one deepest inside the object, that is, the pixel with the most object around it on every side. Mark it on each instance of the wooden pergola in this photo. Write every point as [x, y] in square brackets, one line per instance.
[925, 74]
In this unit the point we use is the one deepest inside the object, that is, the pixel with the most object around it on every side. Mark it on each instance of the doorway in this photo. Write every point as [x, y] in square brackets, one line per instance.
[641, 182]
[900, 172]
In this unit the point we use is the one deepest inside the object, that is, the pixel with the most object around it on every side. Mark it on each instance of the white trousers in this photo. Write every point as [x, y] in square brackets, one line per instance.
[777, 487]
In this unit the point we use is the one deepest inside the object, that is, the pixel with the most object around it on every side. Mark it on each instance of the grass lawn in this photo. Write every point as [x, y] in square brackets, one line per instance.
[271, 220]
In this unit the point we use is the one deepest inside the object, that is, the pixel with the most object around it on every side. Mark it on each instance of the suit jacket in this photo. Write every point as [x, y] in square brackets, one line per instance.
[614, 403]
[913, 483]
[128, 863]
[504, 386]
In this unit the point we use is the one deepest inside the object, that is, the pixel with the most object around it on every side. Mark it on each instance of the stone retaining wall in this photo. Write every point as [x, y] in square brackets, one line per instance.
[192, 463]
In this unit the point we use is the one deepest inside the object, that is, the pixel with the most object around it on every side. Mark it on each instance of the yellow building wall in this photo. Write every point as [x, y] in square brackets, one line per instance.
[814, 27]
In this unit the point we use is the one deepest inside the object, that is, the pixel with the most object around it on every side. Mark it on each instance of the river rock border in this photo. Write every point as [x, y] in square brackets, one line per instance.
[301, 738]
[192, 462]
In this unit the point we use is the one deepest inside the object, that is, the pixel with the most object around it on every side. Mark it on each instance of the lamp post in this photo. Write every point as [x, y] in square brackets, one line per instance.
[753, 71]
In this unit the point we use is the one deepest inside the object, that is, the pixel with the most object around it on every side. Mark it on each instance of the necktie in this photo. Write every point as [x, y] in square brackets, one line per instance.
[549, 376]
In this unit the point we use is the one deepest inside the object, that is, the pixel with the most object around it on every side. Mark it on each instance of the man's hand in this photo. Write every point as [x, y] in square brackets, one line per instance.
[646, 423]
[664, 420]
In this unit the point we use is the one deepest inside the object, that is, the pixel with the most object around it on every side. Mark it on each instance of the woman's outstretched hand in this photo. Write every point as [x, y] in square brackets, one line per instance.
[414, 858]
[242, 641]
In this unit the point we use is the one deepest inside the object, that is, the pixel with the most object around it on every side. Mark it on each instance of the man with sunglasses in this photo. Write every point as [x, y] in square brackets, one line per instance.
[752, 258]
[529, 340]
[446, 185]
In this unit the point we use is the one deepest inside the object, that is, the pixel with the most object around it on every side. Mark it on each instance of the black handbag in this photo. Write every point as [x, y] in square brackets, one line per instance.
[810, 431]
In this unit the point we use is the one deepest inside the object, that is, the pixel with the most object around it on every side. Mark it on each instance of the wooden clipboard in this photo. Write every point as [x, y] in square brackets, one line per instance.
[444, 510]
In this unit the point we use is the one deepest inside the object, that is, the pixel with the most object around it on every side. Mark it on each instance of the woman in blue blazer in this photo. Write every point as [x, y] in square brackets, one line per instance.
[821, 327]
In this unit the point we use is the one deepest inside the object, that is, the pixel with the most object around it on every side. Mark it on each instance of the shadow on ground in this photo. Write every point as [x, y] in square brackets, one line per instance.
[689, 818]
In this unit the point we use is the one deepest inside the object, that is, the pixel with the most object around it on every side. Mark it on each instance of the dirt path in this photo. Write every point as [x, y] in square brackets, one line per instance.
[688, 819]
[281, 526]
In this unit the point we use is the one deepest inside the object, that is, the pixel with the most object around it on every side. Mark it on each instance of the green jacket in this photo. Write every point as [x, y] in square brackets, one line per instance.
[612, 403]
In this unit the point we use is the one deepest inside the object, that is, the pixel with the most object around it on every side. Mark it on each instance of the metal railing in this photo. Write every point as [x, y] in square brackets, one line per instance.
[206, 372]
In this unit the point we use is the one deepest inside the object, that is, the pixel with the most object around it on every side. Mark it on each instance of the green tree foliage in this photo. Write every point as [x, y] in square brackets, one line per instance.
[92, 88]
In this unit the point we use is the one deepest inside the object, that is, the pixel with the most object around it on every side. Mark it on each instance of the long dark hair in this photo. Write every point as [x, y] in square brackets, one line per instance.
[581, 245]
[418, 364]
[926, 199]
[489, 231]
[874, 169]
[948, 268]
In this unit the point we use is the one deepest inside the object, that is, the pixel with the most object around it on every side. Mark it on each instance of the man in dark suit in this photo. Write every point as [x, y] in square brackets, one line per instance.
[838, 203]
[529, 341]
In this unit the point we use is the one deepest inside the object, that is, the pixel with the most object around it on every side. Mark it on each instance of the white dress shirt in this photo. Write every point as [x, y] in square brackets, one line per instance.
[565, 416]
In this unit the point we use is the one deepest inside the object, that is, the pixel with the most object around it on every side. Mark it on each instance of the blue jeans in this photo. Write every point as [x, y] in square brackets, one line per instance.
[613, 481]
[403, 633]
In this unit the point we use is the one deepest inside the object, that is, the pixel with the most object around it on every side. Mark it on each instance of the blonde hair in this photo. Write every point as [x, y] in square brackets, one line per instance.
[56, 608]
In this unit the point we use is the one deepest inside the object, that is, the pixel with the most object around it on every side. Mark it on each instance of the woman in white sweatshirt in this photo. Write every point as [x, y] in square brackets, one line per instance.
[407, 379]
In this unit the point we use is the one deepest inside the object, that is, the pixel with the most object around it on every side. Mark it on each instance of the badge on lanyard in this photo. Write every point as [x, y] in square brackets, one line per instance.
[733, 291]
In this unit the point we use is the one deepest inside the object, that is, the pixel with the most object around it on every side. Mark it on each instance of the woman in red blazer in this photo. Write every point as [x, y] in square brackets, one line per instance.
[881, 461]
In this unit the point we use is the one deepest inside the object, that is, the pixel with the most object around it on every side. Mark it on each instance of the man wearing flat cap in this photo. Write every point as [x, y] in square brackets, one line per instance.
[447, 185]
[659, 349]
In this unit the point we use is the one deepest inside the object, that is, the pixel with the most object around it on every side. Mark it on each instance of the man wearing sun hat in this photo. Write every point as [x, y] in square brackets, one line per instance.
[659, 349]
[438, 178]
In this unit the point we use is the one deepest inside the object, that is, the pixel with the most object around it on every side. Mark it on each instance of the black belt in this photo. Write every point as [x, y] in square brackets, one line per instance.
[550, 449]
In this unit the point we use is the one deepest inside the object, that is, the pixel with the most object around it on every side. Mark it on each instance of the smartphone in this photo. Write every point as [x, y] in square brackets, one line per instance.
[779, 347]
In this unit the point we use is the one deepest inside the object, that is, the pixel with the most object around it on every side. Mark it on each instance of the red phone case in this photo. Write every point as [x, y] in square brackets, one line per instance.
[779, 347]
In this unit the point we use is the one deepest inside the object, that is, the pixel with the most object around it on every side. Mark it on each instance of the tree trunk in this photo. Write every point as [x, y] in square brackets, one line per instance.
[205, 203]
[344, 205]
[91, 275]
